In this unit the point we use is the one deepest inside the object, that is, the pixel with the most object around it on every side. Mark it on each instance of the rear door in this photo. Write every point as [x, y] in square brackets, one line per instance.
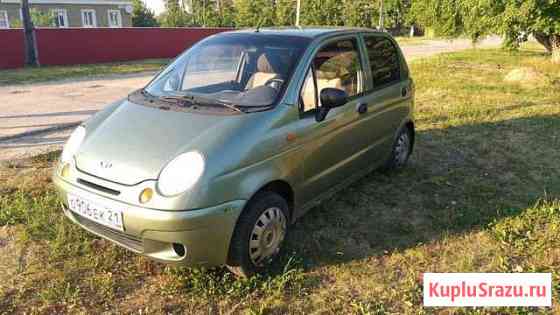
[387, 96]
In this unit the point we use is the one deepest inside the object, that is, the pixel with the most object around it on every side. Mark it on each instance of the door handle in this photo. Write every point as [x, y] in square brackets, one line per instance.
[404, 92]
[362, 108]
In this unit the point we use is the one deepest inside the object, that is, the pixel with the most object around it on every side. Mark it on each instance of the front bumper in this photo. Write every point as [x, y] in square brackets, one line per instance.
[204, 233]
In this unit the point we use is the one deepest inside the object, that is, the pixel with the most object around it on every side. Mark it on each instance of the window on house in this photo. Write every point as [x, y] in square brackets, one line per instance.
[115, 18]
[88, 18]
[383, 60]
[4, 22]
[60, 18]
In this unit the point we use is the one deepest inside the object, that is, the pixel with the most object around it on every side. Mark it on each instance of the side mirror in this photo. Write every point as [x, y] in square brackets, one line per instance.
[331, 98]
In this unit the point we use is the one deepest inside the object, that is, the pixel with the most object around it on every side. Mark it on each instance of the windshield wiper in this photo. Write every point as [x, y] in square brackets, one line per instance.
[224, 104]
[179, 100]
[200, 100]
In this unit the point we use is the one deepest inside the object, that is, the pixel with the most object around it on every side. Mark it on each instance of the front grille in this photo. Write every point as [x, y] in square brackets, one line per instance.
[99, 187]
[121, 238]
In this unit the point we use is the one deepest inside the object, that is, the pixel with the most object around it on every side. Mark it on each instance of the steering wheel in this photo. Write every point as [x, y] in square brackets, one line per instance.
[275, 83]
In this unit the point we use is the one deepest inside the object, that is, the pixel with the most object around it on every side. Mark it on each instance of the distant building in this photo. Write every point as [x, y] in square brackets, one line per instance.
[71, 13]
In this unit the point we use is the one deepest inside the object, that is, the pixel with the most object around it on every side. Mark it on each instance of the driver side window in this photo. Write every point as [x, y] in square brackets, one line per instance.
[336, 65]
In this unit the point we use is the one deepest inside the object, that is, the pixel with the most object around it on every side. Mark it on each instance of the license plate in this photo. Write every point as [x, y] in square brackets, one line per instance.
[96, 212]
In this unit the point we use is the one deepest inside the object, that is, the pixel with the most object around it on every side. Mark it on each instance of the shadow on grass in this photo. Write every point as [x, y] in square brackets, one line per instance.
[459, 179]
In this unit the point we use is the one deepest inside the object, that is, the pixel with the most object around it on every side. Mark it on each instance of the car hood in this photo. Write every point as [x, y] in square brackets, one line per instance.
[129, 143]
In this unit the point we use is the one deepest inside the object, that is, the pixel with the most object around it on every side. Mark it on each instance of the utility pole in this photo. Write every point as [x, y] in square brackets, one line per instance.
[381, 16]
[31, 56]
[298, 8]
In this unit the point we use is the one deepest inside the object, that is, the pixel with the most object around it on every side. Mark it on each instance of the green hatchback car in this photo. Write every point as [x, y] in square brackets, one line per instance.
[234, 140]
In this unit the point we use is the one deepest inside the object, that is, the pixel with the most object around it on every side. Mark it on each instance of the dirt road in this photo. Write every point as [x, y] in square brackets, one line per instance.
[37, 118]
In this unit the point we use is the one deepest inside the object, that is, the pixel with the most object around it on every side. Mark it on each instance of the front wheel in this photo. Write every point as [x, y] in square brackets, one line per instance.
[258, 235]
[402, 149]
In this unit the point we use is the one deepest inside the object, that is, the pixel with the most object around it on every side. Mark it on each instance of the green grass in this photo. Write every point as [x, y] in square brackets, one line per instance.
[481, 194]
[49, 73]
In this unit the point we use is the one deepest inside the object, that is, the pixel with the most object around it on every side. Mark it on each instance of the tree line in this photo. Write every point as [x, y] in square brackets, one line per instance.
[514, 20]
[251, 13]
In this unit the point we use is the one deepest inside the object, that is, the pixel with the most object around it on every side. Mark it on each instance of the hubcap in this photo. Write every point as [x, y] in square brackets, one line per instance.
[267, 236]
[402, 149]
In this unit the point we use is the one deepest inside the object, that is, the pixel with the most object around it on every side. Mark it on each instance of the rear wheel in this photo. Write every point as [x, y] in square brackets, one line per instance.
[402, 149]
[258, 235]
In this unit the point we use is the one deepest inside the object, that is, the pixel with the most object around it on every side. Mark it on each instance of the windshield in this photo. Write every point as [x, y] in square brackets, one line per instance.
[242, 70]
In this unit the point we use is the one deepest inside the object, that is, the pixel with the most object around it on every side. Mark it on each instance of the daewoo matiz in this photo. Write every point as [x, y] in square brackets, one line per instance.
[235, 139]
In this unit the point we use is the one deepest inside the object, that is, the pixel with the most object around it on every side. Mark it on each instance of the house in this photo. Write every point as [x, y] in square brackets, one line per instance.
[70, 13]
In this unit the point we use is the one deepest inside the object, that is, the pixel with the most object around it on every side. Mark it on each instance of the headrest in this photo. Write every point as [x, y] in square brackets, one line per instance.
[264, 64]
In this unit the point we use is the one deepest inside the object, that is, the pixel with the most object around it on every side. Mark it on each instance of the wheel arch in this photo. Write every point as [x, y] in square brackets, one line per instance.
[281, 187]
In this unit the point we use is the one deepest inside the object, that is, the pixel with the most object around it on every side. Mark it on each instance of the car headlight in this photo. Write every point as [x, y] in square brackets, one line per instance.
[181, 174]
[73, 144]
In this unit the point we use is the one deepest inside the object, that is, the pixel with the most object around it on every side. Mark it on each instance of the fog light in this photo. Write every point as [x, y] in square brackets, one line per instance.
[65, 172]
[146, 195]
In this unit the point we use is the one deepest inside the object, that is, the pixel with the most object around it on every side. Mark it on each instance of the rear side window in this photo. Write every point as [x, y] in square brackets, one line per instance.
[383, 60]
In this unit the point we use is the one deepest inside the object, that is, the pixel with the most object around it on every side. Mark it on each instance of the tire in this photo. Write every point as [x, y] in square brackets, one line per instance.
[258, 235]
[401, 151]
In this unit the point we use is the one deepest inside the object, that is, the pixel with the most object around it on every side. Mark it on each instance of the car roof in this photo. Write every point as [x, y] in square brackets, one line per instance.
[310, 32]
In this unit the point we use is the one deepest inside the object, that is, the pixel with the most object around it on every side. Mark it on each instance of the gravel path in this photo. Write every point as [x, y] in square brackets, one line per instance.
[37, 118]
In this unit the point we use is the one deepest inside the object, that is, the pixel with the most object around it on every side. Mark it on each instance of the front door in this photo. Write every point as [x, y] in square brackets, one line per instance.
[332, 145]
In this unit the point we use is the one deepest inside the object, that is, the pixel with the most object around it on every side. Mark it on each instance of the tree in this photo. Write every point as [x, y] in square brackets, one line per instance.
[174, 15]
[360, 13]
[250, 13]
[285, 13]
[211, 13]
[443, 16]
[31, 58]
[41, 18]
[513, 19]
[142, 16]
[322, 12]
[225, 13]
[541, 18]
[396, 13]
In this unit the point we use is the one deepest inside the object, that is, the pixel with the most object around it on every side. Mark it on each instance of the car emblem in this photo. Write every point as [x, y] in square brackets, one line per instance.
[105, 164]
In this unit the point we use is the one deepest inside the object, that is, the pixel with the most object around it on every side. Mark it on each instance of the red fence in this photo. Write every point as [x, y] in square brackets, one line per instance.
[95, 45]
[11, 48]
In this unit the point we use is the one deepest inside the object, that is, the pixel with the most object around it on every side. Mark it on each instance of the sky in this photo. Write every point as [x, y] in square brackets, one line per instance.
[155, 5]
